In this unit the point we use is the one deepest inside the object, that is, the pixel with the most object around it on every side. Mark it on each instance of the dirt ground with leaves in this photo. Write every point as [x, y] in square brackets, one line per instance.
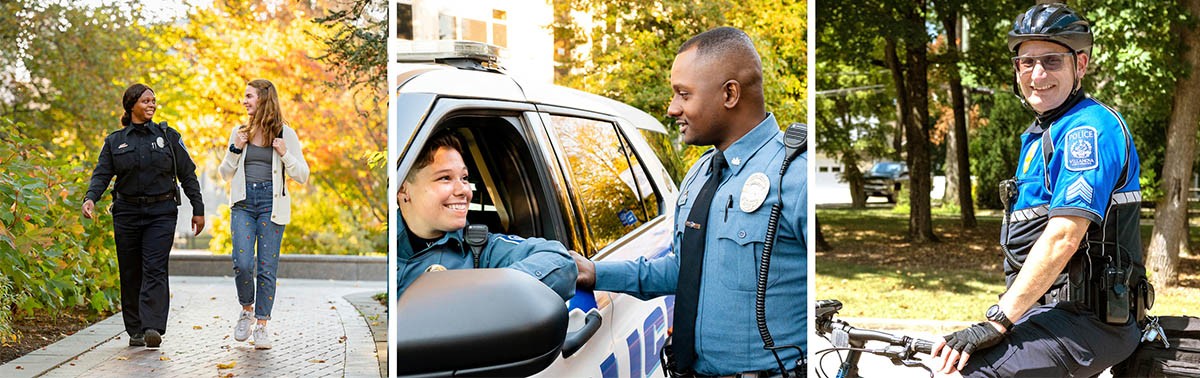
[42, 329]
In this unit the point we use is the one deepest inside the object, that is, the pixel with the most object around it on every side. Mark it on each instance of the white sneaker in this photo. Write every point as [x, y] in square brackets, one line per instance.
[242, 331]
[262, 338]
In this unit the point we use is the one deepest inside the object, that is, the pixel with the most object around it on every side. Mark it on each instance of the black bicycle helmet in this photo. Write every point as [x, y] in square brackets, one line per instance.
[1053, 22]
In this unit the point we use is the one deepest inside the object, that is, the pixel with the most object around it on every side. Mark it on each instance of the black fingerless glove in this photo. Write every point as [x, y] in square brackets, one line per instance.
[976, 337]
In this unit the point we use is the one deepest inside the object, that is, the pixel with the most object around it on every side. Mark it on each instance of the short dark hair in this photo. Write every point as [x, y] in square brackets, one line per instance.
[132, 94]
[724, 43]
[718, 40]
[445, 138]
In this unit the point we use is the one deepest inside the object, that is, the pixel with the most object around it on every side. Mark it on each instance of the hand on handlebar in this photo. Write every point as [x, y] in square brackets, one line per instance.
[959, 345]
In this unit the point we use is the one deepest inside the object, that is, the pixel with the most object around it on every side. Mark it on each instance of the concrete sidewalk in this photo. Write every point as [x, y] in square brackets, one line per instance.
[315, 333]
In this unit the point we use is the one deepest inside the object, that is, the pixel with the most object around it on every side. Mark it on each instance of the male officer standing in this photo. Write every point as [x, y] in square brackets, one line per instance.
[1073, 253]
[721, 218]
[146, 158]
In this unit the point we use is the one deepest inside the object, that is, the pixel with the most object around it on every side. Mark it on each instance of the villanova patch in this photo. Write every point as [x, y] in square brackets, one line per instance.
[1081, 149]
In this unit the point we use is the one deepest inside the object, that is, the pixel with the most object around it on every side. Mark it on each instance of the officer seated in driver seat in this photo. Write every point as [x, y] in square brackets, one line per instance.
[434, 199]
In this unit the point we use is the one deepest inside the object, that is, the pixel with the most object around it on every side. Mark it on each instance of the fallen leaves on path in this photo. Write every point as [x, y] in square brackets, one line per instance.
[122, 358]
[164, 358]
[229, 365]
[316, 361]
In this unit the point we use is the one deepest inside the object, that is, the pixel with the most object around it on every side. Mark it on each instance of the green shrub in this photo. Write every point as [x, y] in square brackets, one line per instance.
[7, 299]
[53, 257]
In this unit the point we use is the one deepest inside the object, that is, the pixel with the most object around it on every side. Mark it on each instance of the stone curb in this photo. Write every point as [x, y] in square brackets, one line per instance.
[324, 267]
[63, 351]
[369, 307]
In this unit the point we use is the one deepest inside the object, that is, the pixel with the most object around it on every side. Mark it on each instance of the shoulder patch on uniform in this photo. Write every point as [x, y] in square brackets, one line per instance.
[1080, 189]
[514, 239]
[1081, 149]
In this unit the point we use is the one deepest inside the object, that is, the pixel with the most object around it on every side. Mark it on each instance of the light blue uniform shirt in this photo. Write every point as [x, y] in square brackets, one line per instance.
[545, 260]
[727, 339]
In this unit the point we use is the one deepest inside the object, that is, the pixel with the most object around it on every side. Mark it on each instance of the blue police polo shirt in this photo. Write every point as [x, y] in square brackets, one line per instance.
[545, 260]
[1092, 171]
[727, 339]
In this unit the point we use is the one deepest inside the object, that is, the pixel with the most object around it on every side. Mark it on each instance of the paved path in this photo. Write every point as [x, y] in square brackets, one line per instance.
[315, 332]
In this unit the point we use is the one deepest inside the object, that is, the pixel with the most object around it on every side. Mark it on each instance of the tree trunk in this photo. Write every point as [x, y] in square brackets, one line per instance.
[893, 63]
[920, 220]
[962, 167]
[1170, 235]
[850, 160]
[822, 244]
[951, 163]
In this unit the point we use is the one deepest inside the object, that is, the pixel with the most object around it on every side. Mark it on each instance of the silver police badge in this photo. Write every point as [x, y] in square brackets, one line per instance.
[754, 192]
[682, 199]
[160, 142]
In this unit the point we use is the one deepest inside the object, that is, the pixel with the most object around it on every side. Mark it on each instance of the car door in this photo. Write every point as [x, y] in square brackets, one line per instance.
[620, 212]
[518, 190]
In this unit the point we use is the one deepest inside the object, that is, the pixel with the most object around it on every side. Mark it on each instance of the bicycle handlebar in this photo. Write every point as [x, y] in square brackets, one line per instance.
[864, 335]
[900, 349]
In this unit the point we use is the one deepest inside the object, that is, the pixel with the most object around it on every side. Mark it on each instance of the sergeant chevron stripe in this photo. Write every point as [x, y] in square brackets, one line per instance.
[1081, 189]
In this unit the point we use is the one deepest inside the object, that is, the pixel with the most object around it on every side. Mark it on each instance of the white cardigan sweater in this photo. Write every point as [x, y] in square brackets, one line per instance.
[233, 169]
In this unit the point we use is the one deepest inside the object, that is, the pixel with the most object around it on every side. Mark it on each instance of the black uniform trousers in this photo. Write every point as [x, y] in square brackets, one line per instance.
[144, 234]
[1058, 340]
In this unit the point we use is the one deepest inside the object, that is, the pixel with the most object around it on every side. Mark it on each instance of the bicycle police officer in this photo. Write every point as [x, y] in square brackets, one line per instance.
[146, 158]
[722, 212]
[1073, 255]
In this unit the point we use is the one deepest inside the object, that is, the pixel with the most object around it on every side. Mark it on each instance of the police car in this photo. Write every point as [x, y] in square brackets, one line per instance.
[545, 161]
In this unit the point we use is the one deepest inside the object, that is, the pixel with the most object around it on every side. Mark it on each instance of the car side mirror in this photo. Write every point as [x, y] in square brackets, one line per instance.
[481, 322]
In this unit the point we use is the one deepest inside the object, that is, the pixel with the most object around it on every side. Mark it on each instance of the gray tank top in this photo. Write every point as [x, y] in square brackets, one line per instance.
[258, 163]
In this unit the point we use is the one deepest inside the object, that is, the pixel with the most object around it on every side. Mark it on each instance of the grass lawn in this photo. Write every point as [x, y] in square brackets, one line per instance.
[876, 273]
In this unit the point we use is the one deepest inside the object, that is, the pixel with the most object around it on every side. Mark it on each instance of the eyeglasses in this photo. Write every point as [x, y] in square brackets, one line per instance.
[1050, 62]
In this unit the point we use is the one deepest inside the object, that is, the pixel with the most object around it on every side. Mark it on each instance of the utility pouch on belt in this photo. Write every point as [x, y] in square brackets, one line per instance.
[1143, 298]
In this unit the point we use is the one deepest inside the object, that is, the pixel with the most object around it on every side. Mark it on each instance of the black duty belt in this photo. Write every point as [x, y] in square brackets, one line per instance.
[143, 200]
[760, 374]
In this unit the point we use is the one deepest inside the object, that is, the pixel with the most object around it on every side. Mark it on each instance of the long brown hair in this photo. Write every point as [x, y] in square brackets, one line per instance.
[267, 118]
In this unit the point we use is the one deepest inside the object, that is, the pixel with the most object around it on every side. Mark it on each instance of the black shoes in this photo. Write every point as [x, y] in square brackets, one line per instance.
[137, 339]
[153, 339]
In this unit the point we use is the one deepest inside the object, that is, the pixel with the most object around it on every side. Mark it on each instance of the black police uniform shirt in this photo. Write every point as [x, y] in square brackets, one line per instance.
[141, 157]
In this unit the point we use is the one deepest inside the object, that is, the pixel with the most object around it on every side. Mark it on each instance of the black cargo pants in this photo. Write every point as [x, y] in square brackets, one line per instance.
[144, 234]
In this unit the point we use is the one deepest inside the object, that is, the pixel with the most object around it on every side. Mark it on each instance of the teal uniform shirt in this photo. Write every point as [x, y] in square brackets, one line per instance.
[727, 339]
[545, 260]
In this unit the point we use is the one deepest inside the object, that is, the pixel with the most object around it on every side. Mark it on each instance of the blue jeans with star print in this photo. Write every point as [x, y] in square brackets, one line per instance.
[256, 242]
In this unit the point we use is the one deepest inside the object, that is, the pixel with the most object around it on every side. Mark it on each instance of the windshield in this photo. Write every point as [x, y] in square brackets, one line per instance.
[885, 169]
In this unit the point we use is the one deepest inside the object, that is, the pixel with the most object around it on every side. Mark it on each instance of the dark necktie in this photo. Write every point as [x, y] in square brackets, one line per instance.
[691, 263]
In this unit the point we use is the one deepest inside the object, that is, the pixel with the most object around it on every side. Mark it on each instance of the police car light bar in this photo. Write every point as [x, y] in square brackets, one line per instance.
[433, 51]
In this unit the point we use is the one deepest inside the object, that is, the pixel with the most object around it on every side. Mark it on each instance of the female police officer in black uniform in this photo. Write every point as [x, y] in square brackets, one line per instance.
[146, 158]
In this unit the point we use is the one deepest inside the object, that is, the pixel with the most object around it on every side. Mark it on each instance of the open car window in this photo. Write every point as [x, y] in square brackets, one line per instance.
[508, 195]
[606, 178]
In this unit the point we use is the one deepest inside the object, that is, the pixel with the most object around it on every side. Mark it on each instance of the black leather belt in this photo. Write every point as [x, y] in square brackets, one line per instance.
[143, 200]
